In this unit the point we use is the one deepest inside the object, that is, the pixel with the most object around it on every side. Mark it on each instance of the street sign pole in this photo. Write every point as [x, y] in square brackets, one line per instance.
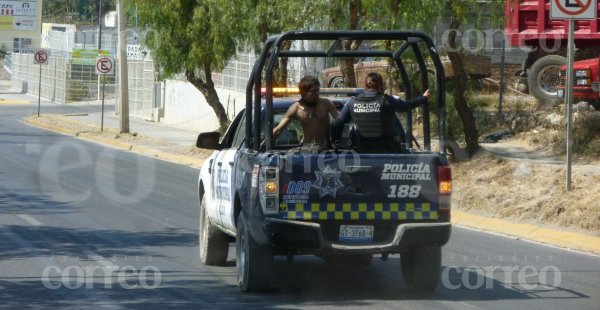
[40, 57]
[40, 90]
[102, 118]
[571, 10]
[569, 92]
[104, 67]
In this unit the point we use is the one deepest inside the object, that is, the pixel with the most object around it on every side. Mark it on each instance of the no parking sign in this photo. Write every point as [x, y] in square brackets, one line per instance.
[573, 9]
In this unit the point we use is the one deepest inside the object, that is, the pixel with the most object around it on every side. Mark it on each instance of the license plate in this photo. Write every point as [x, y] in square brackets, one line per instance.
[356, 233]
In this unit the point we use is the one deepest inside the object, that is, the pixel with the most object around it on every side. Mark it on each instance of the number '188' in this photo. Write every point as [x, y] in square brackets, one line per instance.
[404, 191]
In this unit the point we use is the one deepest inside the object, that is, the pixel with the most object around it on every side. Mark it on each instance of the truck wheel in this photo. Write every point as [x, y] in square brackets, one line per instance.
[254, 263]
[214, 244]
[543, 78]
[337, 82]
[421, 268]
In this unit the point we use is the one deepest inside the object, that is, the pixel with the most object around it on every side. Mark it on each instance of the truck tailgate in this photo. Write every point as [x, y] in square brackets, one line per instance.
[349, 187]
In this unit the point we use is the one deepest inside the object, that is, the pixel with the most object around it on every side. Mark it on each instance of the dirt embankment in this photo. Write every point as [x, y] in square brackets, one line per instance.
[529, 189]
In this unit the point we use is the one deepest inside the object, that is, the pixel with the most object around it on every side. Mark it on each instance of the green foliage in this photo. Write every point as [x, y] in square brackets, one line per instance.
[586, 132]
[2, 50]
[190, 35]
[77, 91]
[80, 12]
[401, 14]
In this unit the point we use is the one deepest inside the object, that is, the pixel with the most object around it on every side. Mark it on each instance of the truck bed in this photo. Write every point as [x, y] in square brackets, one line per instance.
[528, 21]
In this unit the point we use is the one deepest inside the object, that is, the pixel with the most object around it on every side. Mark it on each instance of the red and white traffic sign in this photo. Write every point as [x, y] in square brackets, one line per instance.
[40, 57]
[105, 65]
[573, 9]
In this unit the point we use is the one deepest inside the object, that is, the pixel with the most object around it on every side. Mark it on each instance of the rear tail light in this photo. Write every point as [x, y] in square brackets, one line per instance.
[445, 189]
[269, 190]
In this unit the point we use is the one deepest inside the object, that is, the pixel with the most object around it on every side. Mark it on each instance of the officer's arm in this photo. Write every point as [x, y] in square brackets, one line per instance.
[399, 105]
[285, 120]
[338, 125]
[332, 110]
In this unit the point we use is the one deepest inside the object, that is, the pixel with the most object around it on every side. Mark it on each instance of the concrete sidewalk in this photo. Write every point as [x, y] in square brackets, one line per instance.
[90, 112]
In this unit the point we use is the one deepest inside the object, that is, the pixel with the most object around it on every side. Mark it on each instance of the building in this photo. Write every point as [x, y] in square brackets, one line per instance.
[20, 24]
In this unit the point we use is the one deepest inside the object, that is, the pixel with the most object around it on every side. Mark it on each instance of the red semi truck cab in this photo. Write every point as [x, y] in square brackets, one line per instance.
[586, 85]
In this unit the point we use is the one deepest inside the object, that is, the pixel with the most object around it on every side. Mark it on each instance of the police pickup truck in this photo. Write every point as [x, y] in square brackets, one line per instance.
[345, 205]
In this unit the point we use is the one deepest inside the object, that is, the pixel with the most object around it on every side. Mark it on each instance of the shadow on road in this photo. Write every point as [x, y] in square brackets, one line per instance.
[46, 241]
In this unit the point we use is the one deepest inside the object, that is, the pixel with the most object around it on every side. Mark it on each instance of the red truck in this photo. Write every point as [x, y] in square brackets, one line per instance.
[528, 25]
[586, 85]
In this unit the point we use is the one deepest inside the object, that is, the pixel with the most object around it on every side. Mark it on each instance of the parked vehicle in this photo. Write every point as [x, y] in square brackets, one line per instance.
[586, 85]
[528, 25]
[476, 67]
[275, 198]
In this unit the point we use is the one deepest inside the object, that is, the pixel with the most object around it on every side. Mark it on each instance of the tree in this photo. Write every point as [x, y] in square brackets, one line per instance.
[274, 16]
[399, 14]
[79, 12]
[195, 38]
[459, 12]
[347, 15]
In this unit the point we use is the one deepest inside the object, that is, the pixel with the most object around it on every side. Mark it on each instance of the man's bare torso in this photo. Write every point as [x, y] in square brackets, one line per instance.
[314, 121]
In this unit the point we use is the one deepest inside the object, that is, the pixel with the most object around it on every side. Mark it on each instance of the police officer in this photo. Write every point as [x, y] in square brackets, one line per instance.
[373, 113]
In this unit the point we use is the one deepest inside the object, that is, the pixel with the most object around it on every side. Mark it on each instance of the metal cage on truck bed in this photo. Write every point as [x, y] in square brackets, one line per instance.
[404, 41]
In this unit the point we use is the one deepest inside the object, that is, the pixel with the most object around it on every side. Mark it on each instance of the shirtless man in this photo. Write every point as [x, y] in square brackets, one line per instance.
[312, 112]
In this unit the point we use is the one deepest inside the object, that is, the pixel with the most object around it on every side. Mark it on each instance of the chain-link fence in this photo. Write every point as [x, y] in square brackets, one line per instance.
[63, 80]
[68, 80]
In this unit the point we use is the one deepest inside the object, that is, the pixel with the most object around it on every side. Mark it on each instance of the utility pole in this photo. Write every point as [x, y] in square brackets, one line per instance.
[99, 39]
[123, 83]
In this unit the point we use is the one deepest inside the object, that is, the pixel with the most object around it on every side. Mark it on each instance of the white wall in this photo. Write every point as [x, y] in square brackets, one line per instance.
[186, 108]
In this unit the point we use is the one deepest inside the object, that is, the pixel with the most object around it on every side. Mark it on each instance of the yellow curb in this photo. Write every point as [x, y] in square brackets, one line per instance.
[36, 123]
[14, 101]
[555, 237]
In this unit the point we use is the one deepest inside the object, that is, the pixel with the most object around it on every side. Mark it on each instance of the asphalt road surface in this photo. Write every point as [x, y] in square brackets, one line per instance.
[86, 226]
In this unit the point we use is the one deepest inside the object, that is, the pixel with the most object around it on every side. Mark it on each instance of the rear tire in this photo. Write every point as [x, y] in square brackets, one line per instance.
[543, 79]
[214, 244]
[254, 263]
[421, 268]
[337, 82]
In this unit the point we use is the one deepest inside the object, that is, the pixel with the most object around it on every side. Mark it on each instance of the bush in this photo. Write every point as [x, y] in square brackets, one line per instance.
[77, 91]
[586, 133]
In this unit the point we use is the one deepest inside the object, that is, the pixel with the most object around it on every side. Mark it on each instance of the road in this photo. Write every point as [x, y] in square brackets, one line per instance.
[86, 226]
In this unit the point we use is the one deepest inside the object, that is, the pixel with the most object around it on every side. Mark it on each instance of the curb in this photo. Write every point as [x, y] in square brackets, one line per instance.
[138, 149]
[563, 239]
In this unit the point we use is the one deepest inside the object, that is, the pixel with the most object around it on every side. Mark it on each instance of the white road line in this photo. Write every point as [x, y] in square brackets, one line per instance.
[528, 240]
[30, 220]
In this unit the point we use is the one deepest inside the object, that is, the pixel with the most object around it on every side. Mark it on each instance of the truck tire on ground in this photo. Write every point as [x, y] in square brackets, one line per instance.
[543, 79]
[254, 263]
[337, 82]
[421, 268]
[214, 244]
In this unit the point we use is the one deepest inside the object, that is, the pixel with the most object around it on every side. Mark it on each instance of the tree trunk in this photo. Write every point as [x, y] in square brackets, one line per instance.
[210, 94]
[460, 86]
[347, 64]
[281, 73]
